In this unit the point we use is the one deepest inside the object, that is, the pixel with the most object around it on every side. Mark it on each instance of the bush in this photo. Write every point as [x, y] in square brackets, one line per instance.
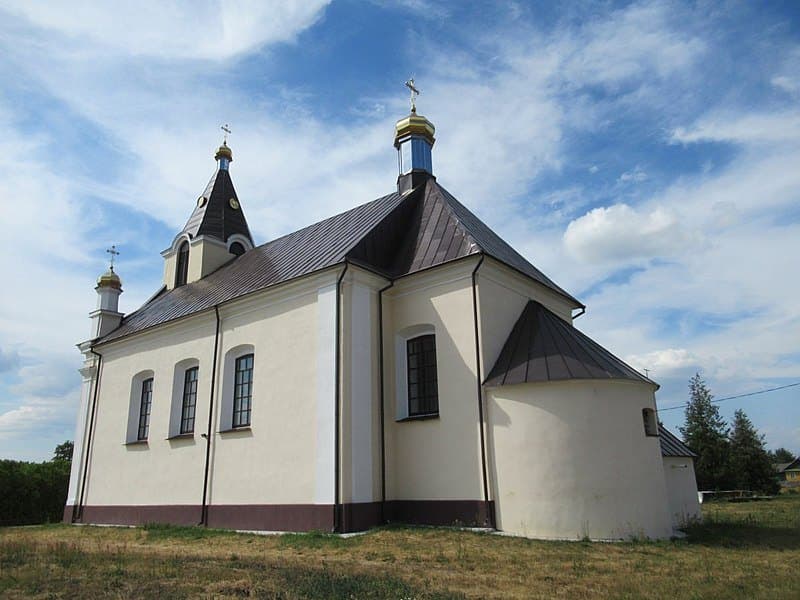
[33, 492]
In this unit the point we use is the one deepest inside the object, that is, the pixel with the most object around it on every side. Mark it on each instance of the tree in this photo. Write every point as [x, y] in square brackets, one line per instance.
[64, 451]
[706, 433]
[750, 463]
[781, 455]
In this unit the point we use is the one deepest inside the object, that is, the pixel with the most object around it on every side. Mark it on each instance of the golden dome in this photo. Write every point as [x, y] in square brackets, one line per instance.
[224, 152]
[109, 279]
[414, 124]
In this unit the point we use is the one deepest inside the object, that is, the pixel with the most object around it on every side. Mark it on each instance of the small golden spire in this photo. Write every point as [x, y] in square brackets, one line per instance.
[110, 278]
[224, 151]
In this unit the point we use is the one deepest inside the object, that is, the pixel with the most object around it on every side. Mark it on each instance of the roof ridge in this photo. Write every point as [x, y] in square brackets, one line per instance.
[526, 267]
[326, 219]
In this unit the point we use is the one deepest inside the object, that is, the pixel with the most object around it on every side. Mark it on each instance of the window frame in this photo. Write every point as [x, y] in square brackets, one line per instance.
[242, 390]
[650, 422]
[146, 400]
[182, 264]
[402, 405]
[189, 400]
[426, 394]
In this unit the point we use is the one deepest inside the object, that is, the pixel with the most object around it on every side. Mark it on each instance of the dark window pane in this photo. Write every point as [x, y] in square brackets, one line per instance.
[236, 249]
[423, 393]
[182, 270]
[242, 391]
[189, 400]
[144, 409]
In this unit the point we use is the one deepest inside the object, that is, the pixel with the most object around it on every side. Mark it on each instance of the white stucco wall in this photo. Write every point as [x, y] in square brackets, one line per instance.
[435, 459]
[571, 460]
[278, 460]
[682, 489]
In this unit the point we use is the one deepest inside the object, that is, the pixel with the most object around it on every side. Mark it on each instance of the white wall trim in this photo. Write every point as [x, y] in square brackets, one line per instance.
[238, 237]
[361, 401]
[326, 395]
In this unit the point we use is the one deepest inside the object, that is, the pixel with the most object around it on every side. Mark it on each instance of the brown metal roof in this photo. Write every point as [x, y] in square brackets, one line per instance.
[396, 235]
[672, 445]
[310, 249]
[215, 216]
[542, 347]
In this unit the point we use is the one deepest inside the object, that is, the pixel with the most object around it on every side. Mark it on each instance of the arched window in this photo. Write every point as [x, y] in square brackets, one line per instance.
[417, 391]
[236, 249]
[182, 271]
[141, 402]
[423, 388]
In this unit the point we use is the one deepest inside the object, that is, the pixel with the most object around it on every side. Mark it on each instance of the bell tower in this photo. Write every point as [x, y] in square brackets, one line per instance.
[216, 231]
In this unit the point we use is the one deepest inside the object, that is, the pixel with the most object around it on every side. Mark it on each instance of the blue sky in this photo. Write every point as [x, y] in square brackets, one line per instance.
[644, 155]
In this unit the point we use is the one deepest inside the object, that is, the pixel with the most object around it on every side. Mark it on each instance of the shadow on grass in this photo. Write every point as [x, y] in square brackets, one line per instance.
[743, 535]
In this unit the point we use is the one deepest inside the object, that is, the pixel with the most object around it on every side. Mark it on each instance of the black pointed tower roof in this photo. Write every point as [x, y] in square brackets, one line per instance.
[218, 213]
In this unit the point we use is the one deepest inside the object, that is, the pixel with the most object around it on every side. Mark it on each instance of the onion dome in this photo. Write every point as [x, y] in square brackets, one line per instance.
[224, 156]
[414, 125]
[109, 279]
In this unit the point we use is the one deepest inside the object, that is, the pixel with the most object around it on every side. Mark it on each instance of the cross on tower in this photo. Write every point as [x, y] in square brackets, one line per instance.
[227, 129]
[414, 94]
[114, 253]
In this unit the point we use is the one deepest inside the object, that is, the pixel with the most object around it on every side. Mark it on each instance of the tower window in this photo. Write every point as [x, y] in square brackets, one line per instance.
[144, 409]
[243, 391]
[182, 271]
[189, 400]
[236, 249]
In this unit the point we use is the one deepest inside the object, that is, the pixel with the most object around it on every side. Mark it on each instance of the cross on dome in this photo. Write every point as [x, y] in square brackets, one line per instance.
[414, 93]
[114, 253]
[227, 129]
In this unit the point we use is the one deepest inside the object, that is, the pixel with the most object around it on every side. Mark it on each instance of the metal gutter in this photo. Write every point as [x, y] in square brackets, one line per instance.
[337, 399]
[479, 379]
[77, 511]
[207, 434]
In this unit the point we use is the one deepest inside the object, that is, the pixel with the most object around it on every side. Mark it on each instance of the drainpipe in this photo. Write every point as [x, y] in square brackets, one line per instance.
[337, 520]
[207, 434]
[484, 472]
[382, 394]
[77, 511]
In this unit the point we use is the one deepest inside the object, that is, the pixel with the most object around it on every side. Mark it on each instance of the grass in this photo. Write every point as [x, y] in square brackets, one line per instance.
[748, 550]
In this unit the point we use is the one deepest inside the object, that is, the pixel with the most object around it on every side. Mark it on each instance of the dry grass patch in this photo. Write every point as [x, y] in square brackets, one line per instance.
[742, 551]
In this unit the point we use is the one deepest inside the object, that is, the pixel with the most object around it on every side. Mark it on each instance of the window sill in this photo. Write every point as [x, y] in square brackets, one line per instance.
[418, 417]
[181, 436]
[136, 443]
[235, 430]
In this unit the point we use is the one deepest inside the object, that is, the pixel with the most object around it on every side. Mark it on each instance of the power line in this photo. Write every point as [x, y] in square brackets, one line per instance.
[775, 389]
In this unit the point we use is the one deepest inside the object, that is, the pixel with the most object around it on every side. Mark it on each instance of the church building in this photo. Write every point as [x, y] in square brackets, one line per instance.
[398, 362]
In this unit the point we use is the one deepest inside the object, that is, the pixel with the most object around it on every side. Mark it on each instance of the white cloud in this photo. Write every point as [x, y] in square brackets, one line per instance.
[667, 362]
[755, 128]
[204, 29]
[637, 175]
[622, 233]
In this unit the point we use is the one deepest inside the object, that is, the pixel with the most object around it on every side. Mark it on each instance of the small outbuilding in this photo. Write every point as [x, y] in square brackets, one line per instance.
[678, 458]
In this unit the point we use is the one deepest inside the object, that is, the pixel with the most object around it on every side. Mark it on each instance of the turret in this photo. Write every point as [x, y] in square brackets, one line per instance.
[216, 231]
[414, 142]
[106, 316]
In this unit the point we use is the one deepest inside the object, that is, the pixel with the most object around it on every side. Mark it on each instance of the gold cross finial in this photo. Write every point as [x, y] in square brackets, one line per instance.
[414, 93]
[227, 129]
[114, 253]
